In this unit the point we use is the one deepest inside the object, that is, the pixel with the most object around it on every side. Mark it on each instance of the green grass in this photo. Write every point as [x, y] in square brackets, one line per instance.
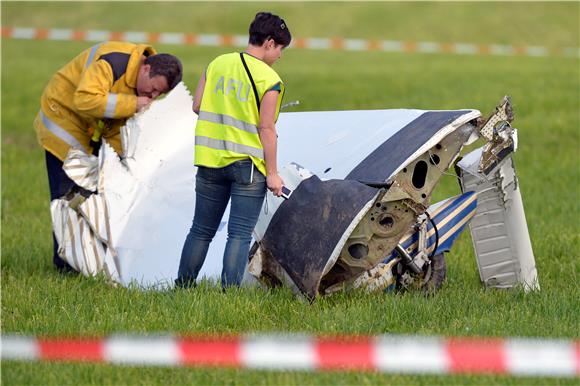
[536, 23]
[84, 374]
[37, 301]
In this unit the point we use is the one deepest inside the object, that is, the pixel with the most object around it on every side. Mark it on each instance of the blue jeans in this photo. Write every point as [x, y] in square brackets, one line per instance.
[213, 189]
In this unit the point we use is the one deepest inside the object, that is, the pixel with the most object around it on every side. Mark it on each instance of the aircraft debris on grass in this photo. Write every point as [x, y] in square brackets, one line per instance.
[359, 214]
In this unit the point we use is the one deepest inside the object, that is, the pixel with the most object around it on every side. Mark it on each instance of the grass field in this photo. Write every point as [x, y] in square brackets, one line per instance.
[545, 91]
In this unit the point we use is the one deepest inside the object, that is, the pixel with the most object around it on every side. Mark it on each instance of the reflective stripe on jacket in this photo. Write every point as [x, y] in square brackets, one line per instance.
[228, 121]
[100, 83]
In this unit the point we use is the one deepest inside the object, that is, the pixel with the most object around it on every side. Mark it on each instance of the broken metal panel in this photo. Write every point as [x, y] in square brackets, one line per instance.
[395, 212]
[149, 193]
[292, 174]
[305, 230]
[264, 269]
[375, 231]
[450, 221]
[94, 210]
[78, 244]
[331, 143]
[379, 278]
[450, 216]
[408, 143]
[502, 139]
[502, 113]
[82, 168]
[499, 230]
[144, 204]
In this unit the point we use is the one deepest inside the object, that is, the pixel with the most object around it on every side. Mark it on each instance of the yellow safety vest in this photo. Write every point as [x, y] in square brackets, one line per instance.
[227, 125]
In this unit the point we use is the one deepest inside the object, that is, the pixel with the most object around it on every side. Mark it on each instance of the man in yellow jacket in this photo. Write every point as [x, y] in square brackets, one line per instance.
[91, 97]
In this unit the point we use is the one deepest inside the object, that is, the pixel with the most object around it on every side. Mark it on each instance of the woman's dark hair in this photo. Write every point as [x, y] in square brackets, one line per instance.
[168, 66]
[268, 26]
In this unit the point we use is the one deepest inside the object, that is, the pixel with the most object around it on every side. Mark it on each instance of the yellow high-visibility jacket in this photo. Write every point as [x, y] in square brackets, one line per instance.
[98, 85]
[228, 120]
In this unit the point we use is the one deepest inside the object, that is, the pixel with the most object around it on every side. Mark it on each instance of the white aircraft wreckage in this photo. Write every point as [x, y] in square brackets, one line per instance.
[358, 216]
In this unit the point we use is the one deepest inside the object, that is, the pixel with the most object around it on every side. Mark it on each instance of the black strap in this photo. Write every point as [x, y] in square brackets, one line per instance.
[251, 80]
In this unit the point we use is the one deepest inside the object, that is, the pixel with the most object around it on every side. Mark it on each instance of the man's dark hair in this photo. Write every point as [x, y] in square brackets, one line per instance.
[268, 26]
[168, 66]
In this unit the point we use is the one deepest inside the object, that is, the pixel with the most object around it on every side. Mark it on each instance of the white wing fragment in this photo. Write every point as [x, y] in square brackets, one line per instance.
[134, 227]
[82, 168]
[145, 201]
[78, 243]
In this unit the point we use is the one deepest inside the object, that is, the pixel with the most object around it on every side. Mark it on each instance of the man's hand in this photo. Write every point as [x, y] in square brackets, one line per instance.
[142, 102]
[274, 183]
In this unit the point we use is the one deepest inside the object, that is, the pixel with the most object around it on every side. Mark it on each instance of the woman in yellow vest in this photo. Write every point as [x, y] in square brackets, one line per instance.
[237, 100]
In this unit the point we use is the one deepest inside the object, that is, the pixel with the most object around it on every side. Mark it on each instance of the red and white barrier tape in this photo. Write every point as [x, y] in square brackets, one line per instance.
[307, 43]
[390, 354]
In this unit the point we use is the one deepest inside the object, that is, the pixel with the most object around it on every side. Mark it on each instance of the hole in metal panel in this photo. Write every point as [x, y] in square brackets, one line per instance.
[358, 251]
[420, 174]
[387, 222]
[434, 159]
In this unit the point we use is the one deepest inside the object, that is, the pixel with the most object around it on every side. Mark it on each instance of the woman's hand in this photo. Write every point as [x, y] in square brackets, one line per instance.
[275, 183]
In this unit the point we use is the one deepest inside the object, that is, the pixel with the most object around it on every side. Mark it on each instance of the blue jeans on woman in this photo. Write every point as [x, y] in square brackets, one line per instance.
[213, 188]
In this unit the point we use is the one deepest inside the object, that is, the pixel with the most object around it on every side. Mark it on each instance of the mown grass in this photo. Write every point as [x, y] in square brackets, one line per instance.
[38, 301]
[538, 23]
[54, 374]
